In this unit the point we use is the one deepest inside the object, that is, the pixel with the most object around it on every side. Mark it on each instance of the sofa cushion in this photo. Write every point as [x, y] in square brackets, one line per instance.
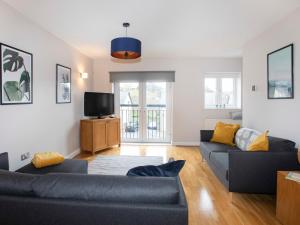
[4, 161]
[170, 169]
[68, 166]
[116, 189]
[244, 137]
[12, 183]
[281, 145]
[261, 143]
[208, 147]
[44, 159]
[221, 162]
[224, 133]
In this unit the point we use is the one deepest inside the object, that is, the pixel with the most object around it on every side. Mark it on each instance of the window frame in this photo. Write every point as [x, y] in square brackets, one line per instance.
[219, 76]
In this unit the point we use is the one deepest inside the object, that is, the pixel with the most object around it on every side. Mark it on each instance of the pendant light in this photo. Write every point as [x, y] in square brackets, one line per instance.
[126, 47]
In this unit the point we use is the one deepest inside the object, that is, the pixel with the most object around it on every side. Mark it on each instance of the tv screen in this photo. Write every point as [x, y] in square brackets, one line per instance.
[98, 104]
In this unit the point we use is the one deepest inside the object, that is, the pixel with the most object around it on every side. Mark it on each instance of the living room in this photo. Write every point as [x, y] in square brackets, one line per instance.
[163, 68]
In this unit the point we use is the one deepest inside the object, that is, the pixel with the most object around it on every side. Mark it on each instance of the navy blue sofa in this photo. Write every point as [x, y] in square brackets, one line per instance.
[249, 172]
[77, 198]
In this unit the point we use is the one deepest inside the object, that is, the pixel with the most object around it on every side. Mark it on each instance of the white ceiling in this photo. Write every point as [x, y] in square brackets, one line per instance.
[167, 28]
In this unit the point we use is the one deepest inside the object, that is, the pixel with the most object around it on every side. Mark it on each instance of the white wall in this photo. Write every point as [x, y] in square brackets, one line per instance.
[188, 97]
[281, 117]
[43, 125]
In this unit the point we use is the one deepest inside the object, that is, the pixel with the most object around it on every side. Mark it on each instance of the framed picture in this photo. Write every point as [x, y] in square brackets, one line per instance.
[16, 76]
[63, 84]
[281, 73]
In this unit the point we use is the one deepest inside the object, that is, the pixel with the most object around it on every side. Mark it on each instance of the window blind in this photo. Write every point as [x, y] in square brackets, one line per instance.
[143, 76]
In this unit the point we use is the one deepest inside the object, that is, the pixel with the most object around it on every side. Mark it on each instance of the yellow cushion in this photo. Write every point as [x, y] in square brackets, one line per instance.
[261, 143]
[224, 133]
[44, 159]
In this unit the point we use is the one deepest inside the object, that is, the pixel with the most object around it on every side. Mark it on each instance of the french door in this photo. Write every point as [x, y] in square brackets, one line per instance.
[145, 111]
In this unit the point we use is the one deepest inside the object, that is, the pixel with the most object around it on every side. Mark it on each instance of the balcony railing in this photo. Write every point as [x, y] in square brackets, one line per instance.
[135, 120]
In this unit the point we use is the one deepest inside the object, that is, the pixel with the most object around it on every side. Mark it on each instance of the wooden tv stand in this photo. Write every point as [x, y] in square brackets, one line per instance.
[99, 134]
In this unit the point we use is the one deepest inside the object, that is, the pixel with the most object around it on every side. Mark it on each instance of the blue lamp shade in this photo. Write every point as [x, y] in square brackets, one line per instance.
[126, 48]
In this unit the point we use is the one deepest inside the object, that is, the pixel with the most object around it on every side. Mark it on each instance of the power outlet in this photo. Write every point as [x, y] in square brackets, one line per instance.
[25, 156]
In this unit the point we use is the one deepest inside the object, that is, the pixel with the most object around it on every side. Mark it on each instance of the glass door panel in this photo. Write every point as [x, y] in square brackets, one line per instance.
[130, 111]
[156, 111]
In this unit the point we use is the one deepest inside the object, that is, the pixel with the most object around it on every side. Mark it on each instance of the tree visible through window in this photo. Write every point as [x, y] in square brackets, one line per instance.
[222, 90]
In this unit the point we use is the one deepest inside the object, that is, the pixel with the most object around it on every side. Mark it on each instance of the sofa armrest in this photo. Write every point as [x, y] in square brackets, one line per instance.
[255, 172]
[206, 135]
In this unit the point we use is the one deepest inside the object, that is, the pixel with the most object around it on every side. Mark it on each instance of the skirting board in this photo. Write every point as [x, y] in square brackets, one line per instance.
[73, 154]
[186, 143]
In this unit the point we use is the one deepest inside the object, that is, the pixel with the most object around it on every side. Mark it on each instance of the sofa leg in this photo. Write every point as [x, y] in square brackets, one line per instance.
[236, 199]
[202, 158]
[231, 197]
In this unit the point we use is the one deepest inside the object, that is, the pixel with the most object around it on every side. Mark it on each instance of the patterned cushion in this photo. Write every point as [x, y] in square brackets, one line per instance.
[244, 137]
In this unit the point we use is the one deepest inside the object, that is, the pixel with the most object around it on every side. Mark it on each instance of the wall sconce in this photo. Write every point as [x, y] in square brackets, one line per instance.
[84, 75]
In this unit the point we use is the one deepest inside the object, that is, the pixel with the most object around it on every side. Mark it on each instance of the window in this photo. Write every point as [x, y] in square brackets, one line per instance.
[222, 90]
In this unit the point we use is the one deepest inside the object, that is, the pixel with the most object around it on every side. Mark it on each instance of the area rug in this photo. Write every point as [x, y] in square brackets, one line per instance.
[119, 165]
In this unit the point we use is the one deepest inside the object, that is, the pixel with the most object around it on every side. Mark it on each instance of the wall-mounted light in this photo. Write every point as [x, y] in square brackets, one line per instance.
[84, 75]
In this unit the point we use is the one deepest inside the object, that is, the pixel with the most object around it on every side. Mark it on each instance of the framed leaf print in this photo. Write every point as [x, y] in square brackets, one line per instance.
[63, 84]
[16, 76]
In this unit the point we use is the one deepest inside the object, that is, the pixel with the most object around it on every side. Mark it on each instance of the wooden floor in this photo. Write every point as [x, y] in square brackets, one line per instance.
[209, 202]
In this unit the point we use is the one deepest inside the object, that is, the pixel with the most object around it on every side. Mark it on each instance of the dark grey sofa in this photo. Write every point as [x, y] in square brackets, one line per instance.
[76, 199]
[249, 172]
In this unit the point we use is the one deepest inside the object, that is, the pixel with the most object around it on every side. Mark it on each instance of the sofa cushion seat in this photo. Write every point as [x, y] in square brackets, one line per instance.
[220, 160]
[68, 166]
[208, 147]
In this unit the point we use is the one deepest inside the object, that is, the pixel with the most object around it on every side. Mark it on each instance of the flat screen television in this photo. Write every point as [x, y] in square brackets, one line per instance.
[98, 104]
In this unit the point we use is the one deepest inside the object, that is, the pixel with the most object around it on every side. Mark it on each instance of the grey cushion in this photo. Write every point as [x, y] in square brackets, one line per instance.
[12, 183]
[221, 162]
[236, 115]
[68, 166]
[162, 190]
[244, 137]
[4, 161]
[208, 147]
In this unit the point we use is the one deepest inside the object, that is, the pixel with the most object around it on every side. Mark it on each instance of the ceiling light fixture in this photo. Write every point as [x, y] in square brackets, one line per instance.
[126, 47]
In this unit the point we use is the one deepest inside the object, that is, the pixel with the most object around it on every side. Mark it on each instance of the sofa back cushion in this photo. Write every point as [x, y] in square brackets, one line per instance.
[281, 145]
[244, 137]
[114, 189]
[117, 189]
[4, 161]
[12, 183]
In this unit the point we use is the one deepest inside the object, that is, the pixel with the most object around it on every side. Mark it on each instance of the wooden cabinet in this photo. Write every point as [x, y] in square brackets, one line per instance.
[288, 200]
[99, 134]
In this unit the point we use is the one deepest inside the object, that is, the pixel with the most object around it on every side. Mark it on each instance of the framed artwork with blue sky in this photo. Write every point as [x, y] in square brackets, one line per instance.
[280, 73]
